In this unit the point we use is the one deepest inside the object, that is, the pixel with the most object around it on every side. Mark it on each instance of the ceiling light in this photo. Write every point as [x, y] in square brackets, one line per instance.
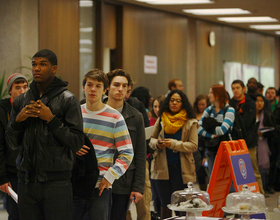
[86, 41]
[217, 11]
[86, 30]
[266, 27]
[86, 3]
[247, 19]
[277, 32]
[175, 2]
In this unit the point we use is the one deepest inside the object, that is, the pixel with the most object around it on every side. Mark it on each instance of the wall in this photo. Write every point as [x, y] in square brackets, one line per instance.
[183, 51]
[18, 36]
[59, 32]
[150, 32]
[233, 45]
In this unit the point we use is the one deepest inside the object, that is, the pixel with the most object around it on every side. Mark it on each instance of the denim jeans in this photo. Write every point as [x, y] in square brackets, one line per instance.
[97, 208]
[45, 201]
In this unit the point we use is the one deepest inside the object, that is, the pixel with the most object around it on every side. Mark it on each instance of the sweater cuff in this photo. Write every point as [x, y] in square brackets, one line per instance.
[54, 124]
[109, 177]
[4, 180]
[17, 126]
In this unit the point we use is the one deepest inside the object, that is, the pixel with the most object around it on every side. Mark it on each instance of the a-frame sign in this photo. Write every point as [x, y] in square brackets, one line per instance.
[232, 164]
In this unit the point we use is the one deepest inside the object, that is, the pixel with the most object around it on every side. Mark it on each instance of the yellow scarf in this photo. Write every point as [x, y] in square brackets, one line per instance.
[172, 123]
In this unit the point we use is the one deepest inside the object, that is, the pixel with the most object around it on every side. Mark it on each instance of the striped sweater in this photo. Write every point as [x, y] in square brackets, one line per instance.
[108, 132]
[227, 122]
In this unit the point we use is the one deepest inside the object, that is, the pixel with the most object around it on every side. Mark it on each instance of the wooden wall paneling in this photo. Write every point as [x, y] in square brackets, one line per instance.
[150, 32]
[99, 34]
[109, 26]
[59, 32]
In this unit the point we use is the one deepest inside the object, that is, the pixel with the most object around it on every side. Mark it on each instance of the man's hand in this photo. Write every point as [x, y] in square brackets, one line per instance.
[104, 184]
[136, 195]
[4, 187]
[83, 151]
[31, 110]
[44, 112]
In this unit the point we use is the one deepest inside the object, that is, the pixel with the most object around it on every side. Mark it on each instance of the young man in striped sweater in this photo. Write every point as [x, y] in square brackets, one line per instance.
[107, 130]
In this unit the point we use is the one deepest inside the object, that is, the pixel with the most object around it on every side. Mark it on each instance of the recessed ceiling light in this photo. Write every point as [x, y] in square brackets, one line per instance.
[175, 2]
[266, 27]
[247, 19]
[277, 32]
[217, 11]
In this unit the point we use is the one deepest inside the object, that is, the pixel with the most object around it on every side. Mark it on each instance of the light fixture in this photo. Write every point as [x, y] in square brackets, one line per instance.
[86, 30]
[247, 19]
[86, 41]
[277, 32]
[85, 3]
[266, 27]
[217, 11]
[175, 2]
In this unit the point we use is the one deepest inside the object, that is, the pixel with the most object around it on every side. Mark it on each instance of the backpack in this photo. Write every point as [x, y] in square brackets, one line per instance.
[238, 130]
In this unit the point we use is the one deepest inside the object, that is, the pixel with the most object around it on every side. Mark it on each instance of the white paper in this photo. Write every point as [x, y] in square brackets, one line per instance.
[13, 194]
[149, 132]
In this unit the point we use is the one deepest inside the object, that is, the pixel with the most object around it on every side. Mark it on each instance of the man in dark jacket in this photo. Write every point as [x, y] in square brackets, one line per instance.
[246, 107]
[131, 185]
[16, 85]
[46, 126]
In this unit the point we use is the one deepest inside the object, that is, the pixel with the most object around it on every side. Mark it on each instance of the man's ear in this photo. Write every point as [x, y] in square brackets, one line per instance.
[244, 89]
[83, 88]
[54, 69]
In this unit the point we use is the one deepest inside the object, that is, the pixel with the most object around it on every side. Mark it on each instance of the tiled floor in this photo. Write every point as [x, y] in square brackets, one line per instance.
[271, 203]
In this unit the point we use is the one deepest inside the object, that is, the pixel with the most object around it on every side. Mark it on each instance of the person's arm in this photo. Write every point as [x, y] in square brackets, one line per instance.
[154, 138]
[185, 146]
[201, 131]
[124, 147]
[4, 181]
[139, 157]
[227, 122]
[69, 132]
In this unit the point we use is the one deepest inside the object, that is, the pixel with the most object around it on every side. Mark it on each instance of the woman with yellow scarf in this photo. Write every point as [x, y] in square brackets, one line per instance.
[174, 140]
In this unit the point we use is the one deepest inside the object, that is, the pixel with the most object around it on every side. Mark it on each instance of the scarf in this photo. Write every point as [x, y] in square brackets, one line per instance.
[172, 123]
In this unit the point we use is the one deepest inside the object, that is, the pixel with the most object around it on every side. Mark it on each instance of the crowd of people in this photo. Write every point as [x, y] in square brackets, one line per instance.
[90, 159]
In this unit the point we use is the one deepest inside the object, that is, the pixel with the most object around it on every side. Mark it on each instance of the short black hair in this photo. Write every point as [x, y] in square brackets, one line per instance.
[239, 82]
[46, 53]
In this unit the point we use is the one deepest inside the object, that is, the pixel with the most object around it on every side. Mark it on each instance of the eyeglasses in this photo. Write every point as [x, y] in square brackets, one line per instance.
[175, 100]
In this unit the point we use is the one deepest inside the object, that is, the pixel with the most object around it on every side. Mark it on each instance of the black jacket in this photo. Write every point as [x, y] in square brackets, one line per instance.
[47, 150]
[7, 155]
[134, 177]
[248, 116]
[85, 173]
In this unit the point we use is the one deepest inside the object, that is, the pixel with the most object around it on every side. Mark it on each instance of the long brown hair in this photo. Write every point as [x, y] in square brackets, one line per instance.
[220, 93]
[198, 98]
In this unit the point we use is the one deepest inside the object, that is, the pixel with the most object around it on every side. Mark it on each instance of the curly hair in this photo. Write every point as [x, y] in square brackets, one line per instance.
[185, 104]
[160, 100]
[198, 98]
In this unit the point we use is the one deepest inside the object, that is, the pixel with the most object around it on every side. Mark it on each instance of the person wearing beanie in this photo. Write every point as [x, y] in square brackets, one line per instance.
[16, 85]
[46, 126]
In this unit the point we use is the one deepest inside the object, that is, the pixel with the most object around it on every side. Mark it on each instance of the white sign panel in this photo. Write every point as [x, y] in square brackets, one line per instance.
[150, 64]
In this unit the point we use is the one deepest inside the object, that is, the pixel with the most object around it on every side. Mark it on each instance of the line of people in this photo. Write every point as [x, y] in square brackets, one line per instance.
[90, 161]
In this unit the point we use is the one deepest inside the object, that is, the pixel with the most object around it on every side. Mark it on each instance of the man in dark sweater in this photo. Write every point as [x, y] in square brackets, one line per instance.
[16, 85]
[246, 107]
